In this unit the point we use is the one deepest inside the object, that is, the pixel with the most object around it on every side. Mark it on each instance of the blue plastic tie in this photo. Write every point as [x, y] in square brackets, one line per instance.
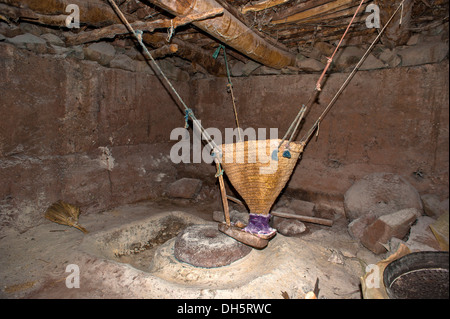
[219, 173]
[186, 118]
[287, 154]
[275, 155]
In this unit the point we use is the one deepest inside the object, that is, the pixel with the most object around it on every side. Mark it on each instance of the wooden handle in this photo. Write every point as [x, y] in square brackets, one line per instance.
[308, 219]
[224, 195]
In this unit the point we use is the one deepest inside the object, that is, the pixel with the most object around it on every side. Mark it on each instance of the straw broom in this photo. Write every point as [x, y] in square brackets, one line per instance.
[65, 214]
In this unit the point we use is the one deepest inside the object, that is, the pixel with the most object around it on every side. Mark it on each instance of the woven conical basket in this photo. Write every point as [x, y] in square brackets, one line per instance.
[255, 175]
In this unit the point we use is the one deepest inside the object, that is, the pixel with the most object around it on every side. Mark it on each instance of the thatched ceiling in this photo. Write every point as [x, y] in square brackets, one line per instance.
[286, 26]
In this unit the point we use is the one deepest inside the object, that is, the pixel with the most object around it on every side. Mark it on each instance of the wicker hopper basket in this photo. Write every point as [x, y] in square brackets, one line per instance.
[258, 178]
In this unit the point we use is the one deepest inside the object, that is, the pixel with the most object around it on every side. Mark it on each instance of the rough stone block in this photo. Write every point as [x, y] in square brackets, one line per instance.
[30, 42]
[357, 227]
[184, 188]
[421, 237]
[387, 226]
[348, 57]
[101, 52]
[432, 206]
[423, 53]
[124, 62]
[389, 57]
[288, 227]
[380, 194]
[53, 39]
[310, 65]
[301, 207]
[235, 216]
[244, 69]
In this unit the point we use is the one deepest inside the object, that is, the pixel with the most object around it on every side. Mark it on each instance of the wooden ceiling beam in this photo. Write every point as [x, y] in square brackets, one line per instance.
[262, 5]
[150, 26]
[93, 12]
[317, 11]
[232, 32]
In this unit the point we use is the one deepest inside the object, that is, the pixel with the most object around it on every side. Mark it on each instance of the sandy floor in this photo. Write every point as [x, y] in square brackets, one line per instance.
[33, 264]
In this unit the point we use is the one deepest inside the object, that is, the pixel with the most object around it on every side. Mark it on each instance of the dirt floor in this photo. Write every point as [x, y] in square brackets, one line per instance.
[33, 264]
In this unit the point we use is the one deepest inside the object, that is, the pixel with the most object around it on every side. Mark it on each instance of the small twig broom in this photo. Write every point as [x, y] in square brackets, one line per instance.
[65, 214]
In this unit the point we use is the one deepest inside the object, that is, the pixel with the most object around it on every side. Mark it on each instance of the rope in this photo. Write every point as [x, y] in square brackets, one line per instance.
[316, 124]
[138, 35]
[219, 170]
[170, 31]
[294, 125]
[229, 85]
[330, 59]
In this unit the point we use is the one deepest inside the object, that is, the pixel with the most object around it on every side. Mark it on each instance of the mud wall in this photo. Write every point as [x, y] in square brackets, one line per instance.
[99, 136]
[77, 131]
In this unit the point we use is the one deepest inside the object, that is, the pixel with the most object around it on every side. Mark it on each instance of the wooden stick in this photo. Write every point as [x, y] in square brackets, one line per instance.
[262, 5]
[308, 219]
[164, 50]
[117, 29]
[224, 194]
[314, 11]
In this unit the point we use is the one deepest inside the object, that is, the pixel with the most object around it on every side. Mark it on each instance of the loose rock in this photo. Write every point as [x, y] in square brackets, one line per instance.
[380, 194]
[432, 206]
[184, 188]
[53, 39]
[30, 42]
[421, 237]
[124, 62]
[310, 65]
[423, 53]
[301, 207]
[336, 257]
[387, 226]
[288, 227]
[101, 52]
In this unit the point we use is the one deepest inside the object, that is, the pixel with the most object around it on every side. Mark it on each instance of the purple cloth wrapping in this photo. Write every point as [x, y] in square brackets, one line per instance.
[259, 225]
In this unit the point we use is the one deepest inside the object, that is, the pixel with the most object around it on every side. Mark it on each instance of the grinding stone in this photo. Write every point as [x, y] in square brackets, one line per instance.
[205, 246]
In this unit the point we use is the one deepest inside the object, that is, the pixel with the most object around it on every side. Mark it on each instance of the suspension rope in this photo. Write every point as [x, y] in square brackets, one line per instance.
[330, 59]
[295, 124]
[229, 85]
[306, 138]
[189, 113]
[302, 111]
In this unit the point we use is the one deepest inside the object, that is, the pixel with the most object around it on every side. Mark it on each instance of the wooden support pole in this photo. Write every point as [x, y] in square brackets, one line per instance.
[223, 193]
[232, 32]
[93, 12]
[189, 52]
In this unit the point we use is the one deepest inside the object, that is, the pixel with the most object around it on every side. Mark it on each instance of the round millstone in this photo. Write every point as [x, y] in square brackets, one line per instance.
[205, 246]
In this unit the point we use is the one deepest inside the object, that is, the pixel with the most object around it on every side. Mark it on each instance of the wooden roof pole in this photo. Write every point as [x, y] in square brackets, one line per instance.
[230, 31]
